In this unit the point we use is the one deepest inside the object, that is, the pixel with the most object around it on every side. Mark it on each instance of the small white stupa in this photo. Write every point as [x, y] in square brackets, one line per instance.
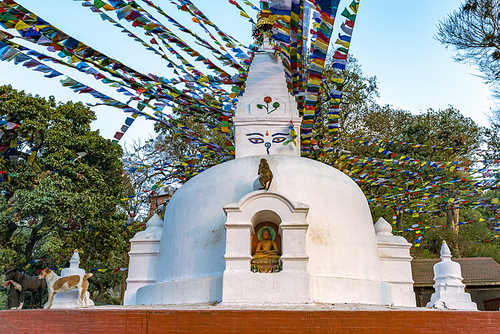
[70, 299]
[450, 291]
[309, 238]
[143, 257]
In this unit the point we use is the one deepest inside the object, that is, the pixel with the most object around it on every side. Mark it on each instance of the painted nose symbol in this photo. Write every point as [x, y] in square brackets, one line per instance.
[268, 145]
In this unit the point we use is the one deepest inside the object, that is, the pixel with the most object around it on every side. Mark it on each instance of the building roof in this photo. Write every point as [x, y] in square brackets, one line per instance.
[475, 271]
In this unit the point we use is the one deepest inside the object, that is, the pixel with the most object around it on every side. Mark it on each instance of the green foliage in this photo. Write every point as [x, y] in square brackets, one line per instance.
[175, 159]
[63, 188]
[473, 30]
[360, 115]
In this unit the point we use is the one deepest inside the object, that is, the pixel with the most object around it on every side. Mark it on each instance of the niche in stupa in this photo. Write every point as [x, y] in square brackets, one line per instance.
[266, 248]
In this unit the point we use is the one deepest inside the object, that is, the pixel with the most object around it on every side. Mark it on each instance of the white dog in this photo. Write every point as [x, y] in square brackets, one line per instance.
[57, 284]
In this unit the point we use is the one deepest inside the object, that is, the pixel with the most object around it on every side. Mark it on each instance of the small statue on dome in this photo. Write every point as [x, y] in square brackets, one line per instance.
[265, 175]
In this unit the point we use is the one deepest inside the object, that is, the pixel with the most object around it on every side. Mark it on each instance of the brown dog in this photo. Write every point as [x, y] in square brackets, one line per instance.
[56, 284]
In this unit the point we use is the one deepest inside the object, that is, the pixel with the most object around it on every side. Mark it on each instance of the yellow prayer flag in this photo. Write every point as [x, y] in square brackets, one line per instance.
[41, 27]
[338, 80]
[21, 25]
[344, 44]
[242, 13]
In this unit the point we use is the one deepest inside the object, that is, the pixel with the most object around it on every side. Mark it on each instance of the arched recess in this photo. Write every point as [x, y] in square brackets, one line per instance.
[242, 217]
[266, 218]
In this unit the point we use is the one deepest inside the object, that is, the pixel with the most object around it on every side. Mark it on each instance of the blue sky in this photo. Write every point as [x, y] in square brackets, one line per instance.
[393, 40]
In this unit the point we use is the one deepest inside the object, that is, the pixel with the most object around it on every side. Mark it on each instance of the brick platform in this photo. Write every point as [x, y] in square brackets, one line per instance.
[232, 321]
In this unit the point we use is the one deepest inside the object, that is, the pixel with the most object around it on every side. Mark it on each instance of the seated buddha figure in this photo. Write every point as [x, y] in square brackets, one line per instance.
[266, 256]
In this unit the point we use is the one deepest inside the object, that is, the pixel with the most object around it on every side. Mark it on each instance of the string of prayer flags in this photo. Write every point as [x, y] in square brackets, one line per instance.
[197, 14]
[128, 122]
[164, 33]
[248, 3]
[339, 60]
[91, 270]
[414, 145]
[497, 231]
[293, 134]
[77, 86]
[243, 13]
[418, 229]
[69, 46]
[295, 37]
[143, 87]
[153, 26]
[316, 70]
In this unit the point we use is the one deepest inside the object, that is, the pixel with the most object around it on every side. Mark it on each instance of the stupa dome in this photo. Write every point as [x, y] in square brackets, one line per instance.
[340, 240]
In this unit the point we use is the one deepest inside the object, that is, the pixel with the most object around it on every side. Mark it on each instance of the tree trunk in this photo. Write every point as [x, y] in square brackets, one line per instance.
[399, 220]
[28, 250]
[100, 287]
[452, 219]
[124, 280]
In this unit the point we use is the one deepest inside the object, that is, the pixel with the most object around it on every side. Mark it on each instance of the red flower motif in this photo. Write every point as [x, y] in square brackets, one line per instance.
[268, 99]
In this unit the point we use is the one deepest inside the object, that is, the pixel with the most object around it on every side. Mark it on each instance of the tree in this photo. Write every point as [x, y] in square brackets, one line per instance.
[368, 130]
[474, 31]
[358, 95]
[171, 159]
[61, 185]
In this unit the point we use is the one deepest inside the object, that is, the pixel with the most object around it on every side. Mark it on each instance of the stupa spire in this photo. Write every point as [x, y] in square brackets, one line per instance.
[266, 119]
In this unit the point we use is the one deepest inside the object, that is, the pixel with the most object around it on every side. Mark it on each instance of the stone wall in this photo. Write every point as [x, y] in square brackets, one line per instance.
[247, 321]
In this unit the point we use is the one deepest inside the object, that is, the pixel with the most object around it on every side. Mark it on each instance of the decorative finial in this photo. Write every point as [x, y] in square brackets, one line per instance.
[154, 221]
[382, 227]
[75, 260]
[263, 25]
[445, 252]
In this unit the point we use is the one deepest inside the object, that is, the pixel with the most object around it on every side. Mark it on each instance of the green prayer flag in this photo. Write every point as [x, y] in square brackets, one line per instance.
[98, 4]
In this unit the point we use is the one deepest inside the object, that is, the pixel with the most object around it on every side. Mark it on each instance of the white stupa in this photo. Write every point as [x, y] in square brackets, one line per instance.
[449, 289]
[329, 250]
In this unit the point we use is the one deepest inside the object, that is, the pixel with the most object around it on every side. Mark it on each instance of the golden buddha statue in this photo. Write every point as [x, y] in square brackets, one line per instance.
[266, 257]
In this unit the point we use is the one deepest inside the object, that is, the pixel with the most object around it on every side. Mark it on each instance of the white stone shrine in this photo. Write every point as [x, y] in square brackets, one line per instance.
[70, 299]
[319, 219]
[450, 291]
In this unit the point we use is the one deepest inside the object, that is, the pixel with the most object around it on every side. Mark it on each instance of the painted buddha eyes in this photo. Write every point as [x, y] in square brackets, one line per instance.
[259, 138]
[279, 139]
[255, 140]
